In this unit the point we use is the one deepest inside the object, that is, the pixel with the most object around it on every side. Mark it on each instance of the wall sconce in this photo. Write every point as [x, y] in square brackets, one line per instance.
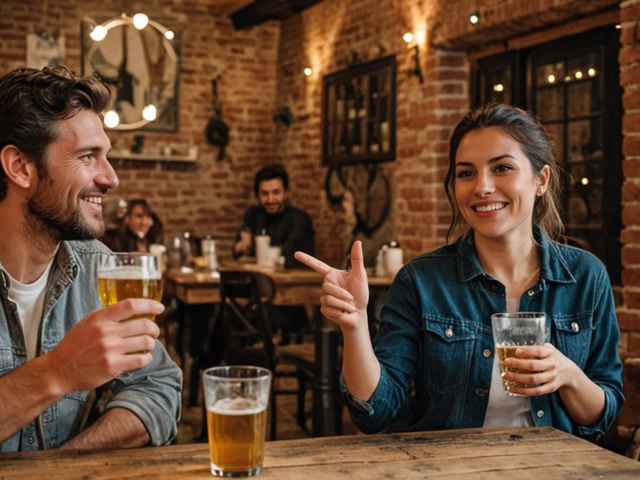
[474, 18]
[416, 70]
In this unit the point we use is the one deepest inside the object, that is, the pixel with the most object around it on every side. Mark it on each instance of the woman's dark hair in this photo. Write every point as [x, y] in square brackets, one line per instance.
[271, 172]
[33, 101]
[525, 128]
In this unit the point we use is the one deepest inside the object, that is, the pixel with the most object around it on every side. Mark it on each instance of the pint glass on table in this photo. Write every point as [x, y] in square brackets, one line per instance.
[236, 399]
[128, 275]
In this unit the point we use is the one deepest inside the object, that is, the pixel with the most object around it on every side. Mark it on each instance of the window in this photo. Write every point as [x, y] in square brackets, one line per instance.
[573, 85]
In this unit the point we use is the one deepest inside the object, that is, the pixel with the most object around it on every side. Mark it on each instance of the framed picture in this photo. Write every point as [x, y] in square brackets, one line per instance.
[359, 113]
[141, 66]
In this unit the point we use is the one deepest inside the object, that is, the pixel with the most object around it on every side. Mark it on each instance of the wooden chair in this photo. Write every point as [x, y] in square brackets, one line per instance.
[248, 337]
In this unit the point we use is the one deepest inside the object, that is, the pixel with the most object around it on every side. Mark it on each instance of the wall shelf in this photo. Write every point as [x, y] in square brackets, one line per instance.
[146, 157]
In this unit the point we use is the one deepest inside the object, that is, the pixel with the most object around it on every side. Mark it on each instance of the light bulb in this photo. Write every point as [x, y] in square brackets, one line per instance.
[111, 119]
[408, 37]
[169, 34]
[308, 71]
[140, 20]
[98, 33]
[149, 112]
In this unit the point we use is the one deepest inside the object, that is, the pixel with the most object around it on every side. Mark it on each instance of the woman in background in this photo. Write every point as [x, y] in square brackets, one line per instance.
[140, 228]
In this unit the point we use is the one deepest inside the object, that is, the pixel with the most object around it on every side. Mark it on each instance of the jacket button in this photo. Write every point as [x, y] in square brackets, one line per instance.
[486, 353]
[531, 293]
[481, 392]
[540, 413]
[31, 440]
[575, 327]
[449, 332]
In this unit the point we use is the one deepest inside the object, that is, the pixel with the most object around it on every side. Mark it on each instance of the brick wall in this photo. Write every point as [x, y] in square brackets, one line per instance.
[208, 197]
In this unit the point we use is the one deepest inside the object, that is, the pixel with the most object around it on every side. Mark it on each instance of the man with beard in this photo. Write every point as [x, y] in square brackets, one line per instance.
[289, 228]
[56, 341]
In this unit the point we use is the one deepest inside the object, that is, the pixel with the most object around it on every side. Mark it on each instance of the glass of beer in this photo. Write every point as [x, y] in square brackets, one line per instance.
[236, 399]
[514, 330]
[123, 275]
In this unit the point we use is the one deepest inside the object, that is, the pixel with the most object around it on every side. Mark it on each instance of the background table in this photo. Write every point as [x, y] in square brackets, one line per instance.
[516, 453]
[293, 287]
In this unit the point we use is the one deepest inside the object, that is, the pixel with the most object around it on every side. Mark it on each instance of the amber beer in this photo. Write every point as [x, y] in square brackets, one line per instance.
[237, 428]
[504, 352]
[127, 282]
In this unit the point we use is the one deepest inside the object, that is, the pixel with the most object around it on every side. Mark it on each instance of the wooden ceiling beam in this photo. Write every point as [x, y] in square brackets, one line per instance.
[261, 11]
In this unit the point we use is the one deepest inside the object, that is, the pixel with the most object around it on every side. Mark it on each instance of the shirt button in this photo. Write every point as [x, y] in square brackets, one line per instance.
[449, 332]
[486, 353]
[31, 440]
[531, 293]
[481, 392]
[540, 413]
[575, 327]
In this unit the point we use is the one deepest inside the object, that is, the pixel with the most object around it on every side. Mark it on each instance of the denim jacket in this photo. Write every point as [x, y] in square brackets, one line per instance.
[435, 335]
[152, 393]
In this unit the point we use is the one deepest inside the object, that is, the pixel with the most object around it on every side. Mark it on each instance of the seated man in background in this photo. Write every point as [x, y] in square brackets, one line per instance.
[289, 228]
[56, 341]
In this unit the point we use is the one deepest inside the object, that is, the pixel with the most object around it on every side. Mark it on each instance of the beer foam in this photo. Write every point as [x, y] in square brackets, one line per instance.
[128, 273]
[236, 406]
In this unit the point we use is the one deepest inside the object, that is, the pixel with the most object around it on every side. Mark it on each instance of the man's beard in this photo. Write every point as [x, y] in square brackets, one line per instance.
[46, 216]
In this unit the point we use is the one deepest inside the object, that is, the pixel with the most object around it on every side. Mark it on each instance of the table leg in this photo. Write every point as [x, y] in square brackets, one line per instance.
[325, 382]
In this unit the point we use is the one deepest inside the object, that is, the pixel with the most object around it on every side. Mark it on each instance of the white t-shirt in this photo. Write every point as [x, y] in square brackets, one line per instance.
[30, 302]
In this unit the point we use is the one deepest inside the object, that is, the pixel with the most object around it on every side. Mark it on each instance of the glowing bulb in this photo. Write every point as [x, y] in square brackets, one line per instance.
[474, 18]
[408, 37]
[578, 74]
[584, 181]
[591, 72]
[149, 112]
[98, 33]
[498, 87]
[111, 119]
[308, 71]
[169, 34]
[551, 78]
[140, 20]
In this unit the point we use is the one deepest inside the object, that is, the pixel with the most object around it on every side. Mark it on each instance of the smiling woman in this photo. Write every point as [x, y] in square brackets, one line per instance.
[138, 57]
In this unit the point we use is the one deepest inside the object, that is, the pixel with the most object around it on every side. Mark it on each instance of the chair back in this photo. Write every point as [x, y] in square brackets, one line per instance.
[247, 334]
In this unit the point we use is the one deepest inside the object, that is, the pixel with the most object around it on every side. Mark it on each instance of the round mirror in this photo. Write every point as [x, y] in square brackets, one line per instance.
[138, 58]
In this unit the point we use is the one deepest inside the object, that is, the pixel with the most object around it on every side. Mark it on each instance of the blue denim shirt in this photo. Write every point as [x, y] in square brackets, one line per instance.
[152, 393]
[435, 334]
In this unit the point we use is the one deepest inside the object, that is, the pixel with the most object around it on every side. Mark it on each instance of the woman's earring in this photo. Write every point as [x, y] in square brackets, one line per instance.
[542, 190]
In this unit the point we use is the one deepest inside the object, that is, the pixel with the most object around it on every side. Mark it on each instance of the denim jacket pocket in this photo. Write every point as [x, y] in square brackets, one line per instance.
[449, 350]
[6, 360]
[573, 336]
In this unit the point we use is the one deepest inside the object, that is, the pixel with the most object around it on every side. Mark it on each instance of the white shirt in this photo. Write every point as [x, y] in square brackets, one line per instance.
[29, 300]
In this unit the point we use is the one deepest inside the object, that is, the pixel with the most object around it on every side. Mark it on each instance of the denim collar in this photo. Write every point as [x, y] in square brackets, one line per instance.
[553, 267]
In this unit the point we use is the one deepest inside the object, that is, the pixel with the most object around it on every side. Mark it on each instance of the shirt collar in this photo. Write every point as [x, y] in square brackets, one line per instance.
[553, 266]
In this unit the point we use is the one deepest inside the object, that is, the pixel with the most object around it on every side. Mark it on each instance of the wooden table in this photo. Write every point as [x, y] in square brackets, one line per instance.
[515, 453]
[293, 287]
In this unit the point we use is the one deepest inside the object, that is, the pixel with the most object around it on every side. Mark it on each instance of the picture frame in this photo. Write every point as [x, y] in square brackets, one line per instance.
[359, 113]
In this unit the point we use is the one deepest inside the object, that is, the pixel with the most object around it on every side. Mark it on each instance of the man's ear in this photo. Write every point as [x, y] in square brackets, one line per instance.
[17, 167]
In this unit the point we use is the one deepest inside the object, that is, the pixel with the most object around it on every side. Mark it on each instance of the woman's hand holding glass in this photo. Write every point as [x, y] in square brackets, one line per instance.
[543, 366]
[344, 293]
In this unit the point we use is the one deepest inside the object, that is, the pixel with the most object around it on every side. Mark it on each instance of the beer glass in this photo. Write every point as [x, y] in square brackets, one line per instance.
[513, 330]
[236, 399]
[123, 275]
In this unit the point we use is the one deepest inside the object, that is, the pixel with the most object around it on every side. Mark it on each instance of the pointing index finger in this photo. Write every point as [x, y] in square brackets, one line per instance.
[313, 263]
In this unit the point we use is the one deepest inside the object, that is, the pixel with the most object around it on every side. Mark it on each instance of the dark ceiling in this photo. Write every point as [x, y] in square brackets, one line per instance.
[260, 11]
